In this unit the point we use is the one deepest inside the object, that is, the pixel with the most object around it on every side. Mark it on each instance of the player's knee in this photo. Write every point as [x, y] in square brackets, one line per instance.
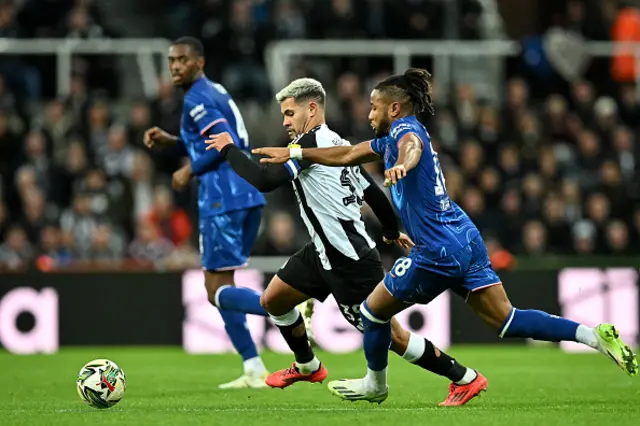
[492, 305]
[265, 302]
[504, 311]
[214, 293]
[271, 305]
[369, 317]
[499, 314]
[211, 296]
[215, 282]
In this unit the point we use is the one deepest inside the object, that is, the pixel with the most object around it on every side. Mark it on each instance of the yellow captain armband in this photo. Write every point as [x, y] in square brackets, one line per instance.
[295, 151]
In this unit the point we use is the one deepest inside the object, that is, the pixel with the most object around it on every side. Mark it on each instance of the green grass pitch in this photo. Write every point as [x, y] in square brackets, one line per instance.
[527, 386]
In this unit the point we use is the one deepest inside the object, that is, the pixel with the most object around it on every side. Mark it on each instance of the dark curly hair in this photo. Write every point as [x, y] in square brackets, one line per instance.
[411, 88]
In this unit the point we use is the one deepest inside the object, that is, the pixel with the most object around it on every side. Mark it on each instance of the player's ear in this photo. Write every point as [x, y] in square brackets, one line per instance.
[313, 108]
[201, 62]
[394, 109]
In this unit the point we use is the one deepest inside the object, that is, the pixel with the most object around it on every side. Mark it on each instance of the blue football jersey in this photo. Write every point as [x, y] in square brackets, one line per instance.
[207, 105]
[437, 225]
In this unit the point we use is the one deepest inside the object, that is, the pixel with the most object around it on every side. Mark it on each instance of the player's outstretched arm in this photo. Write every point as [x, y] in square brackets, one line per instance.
[264, 178]
[335, 156]
[409, 153]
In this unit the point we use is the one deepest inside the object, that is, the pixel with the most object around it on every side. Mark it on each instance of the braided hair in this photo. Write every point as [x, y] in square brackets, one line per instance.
[411, 88]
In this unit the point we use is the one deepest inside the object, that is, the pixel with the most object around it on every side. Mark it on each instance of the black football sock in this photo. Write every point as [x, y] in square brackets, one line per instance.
[422, 353]
[292, 328]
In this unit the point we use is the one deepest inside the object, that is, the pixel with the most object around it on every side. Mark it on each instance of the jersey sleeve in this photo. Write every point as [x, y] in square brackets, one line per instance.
[206, 115]
[308, 140]
[377, 146]
[367, 178]
[381, 206]
[264, 178]
[399, 129]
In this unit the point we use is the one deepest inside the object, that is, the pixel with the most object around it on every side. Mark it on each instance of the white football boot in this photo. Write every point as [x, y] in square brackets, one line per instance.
[246, 381]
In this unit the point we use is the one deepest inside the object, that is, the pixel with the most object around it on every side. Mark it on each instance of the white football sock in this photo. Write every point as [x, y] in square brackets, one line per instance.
[308, 367]
[468, 377]
[586, 336]
[254, 366]
[376, 380]
[415, 348]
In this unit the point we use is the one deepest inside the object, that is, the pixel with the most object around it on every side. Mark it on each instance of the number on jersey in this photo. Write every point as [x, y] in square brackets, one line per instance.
[440, 188]
[345, 180]
[352, 315]
[241, 129]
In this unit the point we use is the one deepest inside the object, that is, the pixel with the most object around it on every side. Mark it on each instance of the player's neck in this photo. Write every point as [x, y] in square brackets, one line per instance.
[313, 123]
[197, 77]
[403, 114]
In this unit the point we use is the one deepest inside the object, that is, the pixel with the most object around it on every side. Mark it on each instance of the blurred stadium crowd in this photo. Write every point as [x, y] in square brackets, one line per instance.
[546, 172]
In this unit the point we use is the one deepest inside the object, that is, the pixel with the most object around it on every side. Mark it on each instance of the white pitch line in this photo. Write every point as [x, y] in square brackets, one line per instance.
[369, 408]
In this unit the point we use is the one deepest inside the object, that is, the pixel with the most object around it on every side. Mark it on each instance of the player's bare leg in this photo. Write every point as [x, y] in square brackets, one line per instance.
[280, 300]
[493, 306]
[221, 293]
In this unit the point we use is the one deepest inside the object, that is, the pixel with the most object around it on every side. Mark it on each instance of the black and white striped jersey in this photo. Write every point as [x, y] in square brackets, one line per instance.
[330, 199]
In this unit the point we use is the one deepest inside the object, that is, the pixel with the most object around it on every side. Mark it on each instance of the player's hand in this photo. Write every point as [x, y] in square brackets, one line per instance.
[181, 177]
[275, 155]
[403, 241]
[157, 136]
[394, 174]
[219, 141]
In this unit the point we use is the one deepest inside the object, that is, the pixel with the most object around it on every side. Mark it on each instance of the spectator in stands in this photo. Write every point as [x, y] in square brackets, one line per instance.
[106, 245]
[281, 238]
[79, 223]
[118, 157]
[57, 125]
[96, 129]
[617, 238]
[289, 20]
[70, 173]
[35, 215]
[170, 221]
[139, 121]
[15, 251]
[52, 246]
[149, 245]
[584, 237]
[534, 238]
[511, 220]
[141, 185]
[500, 258]
[558, 230]
[242, 43]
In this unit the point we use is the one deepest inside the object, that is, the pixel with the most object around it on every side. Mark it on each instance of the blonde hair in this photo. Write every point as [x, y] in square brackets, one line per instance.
[303, 89]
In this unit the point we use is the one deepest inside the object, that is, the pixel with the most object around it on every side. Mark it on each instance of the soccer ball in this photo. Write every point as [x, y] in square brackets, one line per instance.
[101, 383]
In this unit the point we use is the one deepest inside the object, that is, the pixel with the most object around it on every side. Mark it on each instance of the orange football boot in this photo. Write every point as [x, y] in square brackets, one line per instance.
[461, 394]
[283, 378]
